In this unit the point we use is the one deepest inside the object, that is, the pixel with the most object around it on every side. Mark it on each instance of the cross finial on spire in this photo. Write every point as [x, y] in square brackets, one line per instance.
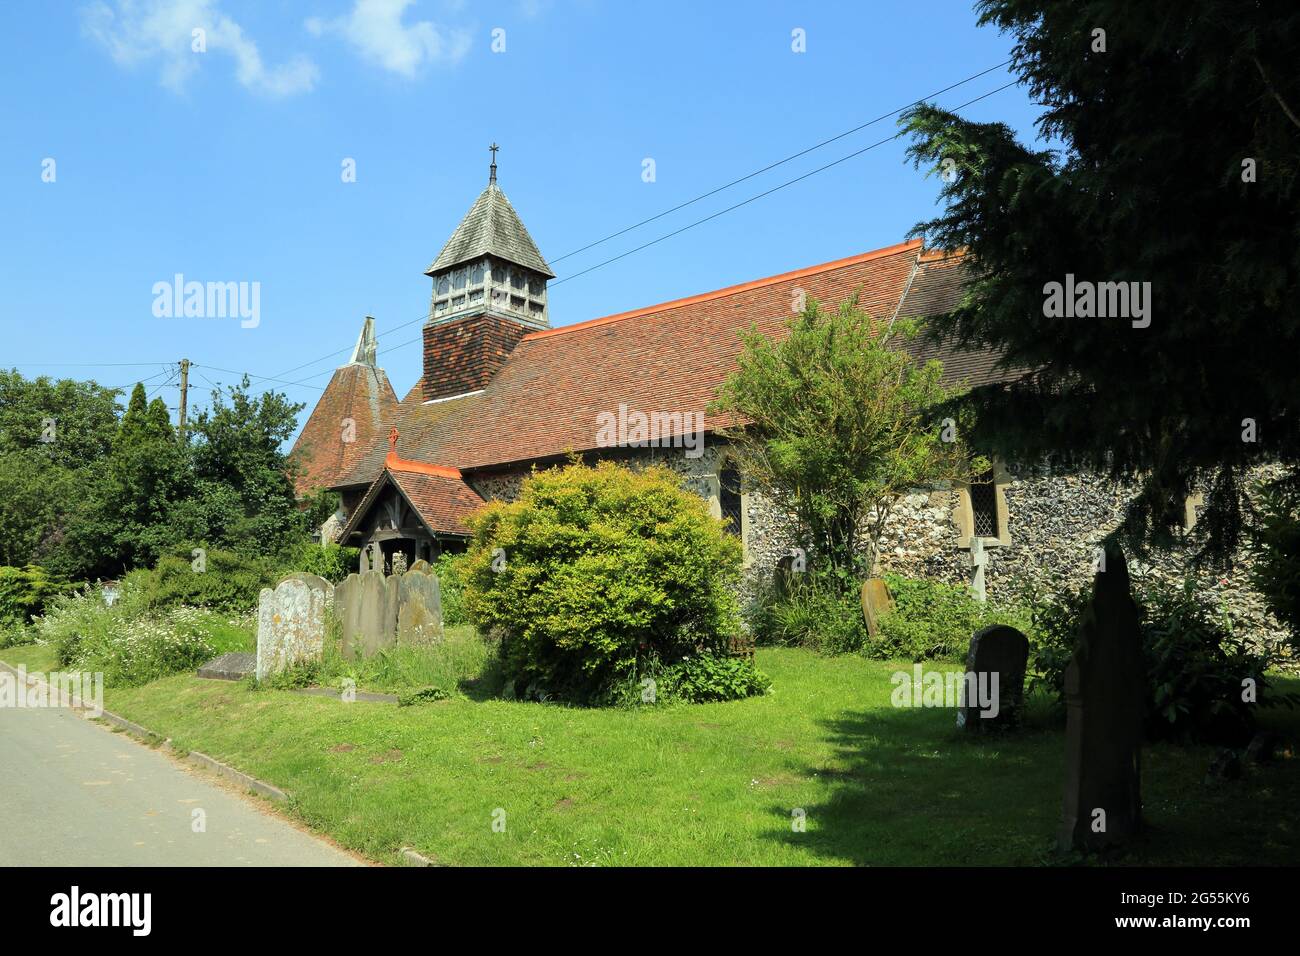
[392, 440]
[493, 175]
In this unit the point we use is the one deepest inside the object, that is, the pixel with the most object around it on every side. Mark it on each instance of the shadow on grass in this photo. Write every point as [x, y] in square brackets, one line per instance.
[905, 787]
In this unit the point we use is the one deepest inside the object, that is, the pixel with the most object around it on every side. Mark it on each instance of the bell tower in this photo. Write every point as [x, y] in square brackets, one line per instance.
[490, 265]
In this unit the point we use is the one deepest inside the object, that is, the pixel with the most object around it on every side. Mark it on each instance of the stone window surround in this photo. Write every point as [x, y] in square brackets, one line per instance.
[963, 515]
[714, 484]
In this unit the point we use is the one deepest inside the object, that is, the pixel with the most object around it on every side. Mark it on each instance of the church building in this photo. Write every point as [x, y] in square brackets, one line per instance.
[504, 391]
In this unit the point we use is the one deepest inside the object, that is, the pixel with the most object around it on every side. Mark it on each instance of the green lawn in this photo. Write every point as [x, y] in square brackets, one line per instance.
[711, 784]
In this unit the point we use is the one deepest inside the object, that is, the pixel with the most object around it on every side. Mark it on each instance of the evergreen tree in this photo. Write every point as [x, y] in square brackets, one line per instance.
[1179, 171]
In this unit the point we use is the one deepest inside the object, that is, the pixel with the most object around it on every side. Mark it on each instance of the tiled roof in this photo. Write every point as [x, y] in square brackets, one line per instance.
[546, 399]
[491, 226]
[358, 393]
[438, 495]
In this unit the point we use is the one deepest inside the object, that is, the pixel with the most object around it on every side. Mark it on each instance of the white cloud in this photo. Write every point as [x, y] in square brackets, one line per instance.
[375, 30]
[139, 31]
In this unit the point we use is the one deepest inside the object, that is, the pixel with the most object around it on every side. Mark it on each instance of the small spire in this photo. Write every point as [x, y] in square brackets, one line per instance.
[492, 176]
[367, 346]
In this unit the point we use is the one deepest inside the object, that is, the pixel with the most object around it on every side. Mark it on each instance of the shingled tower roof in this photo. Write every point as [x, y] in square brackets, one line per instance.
[491, 227]
[347, 420]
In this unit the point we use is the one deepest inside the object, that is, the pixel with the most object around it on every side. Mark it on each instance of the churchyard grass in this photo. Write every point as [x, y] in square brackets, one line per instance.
[711, 784]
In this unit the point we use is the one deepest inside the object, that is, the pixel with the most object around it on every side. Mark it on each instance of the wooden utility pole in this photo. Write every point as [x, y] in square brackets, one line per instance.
[185, 389]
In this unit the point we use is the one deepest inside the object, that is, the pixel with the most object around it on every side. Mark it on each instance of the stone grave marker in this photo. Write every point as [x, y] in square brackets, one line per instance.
[1004, 651]
[876, 599]
[419, 609]
[234, 665]
[290, 626]
[1105, 689]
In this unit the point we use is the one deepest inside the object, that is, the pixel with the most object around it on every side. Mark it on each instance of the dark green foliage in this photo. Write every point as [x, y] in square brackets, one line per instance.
[331, 561]
[710, 677]
[421, 696]
[810, 612]
[228, 581]
[593, 572]
[1132, 197]
[24, 592]
[1275, 542]
[1195, 662]
[449, 568]
[932, 619]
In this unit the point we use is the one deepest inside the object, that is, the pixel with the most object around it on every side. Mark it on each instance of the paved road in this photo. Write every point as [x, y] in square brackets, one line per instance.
[75, 794]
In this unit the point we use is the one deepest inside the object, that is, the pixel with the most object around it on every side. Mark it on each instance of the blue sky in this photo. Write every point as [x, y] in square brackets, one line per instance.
[225, 165]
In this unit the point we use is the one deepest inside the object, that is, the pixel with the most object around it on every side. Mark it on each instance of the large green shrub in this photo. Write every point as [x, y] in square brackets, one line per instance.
[593, 573]
[1195, 662]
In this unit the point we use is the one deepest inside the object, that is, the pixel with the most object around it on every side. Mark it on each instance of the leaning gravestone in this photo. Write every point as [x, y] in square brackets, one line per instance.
[875, 601]
[1105, 693]
[419, 609]
[995, 650]
[290, 626]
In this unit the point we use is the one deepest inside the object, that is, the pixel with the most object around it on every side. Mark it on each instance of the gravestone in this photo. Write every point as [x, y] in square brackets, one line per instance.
[422, 566]
[1105, 693]
[875, 601]
[347, 612]
[1004, 651]
[419, 609]
[290, 626]
[315, 581]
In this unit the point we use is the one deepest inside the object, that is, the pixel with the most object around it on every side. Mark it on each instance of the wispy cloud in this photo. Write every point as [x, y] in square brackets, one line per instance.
[374, 29]
[140, 31]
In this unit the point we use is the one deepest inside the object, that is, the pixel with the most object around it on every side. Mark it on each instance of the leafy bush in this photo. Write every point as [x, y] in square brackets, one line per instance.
[24, 592]
[131, 647]
[931, 619]
[1275, 543]
[813, 612]
[331, 561]
[711, 677]
[451, 587]
[1195, 663]
[13, 634]
[228, 581]
[594, 571]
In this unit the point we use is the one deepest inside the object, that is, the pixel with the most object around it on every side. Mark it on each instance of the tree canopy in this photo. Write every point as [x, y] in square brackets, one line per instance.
[1179, 171]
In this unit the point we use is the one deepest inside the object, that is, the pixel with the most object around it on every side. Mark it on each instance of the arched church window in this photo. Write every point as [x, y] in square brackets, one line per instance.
[444, 284]
[476, 273]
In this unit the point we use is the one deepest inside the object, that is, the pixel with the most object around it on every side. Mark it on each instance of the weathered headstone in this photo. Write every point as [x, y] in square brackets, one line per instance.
[1105, 692]
[875, 601]
[347, 614]
[995, 650]
[290, 626]
[422, 566]
[419, 609]
[315, 581]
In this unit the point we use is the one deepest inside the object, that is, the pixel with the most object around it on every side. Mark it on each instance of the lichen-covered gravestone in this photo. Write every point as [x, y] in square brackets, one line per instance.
[876, 600]
[1105, 695]
[290, 626]
[419, 614]
[996, 650]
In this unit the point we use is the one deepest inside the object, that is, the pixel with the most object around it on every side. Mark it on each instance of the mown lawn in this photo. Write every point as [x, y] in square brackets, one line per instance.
[711, 784]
